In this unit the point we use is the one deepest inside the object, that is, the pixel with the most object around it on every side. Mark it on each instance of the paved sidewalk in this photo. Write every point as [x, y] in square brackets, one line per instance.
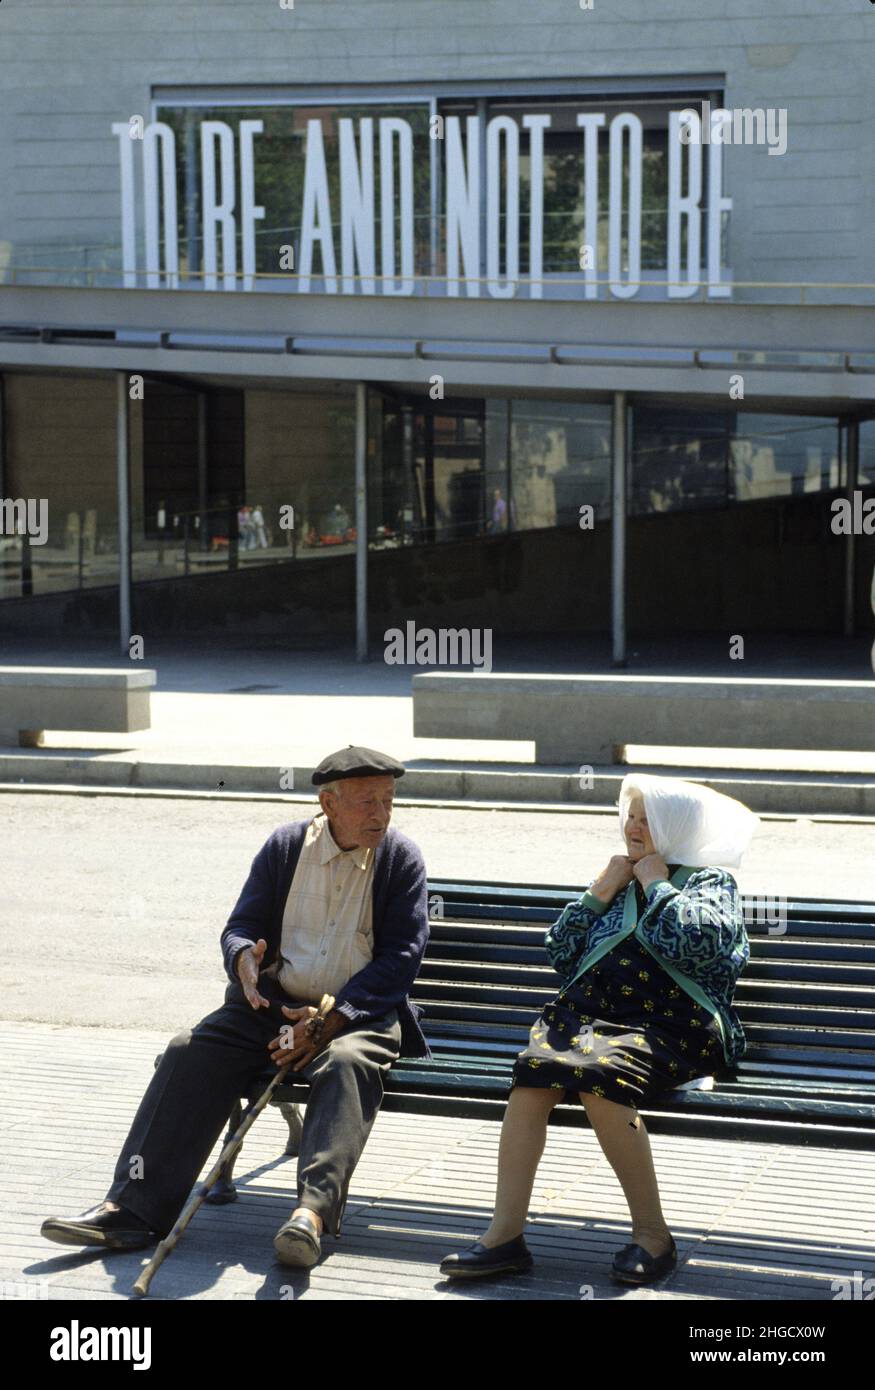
[752, 1221]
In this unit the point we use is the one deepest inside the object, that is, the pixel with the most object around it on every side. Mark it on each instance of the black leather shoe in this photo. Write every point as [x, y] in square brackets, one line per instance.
[635, 1265]
[296, 1243]
[475, 1263]
[114, 1230]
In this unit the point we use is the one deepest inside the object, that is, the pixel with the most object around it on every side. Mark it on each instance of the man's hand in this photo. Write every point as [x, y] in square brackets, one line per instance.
[293, 1047]
[248, 966]
[649, 869]
[617, 875]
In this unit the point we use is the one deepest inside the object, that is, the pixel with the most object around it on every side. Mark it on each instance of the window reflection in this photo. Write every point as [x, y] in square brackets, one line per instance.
[866, 470]
[560, 461]
[678, 459]
[782, 456]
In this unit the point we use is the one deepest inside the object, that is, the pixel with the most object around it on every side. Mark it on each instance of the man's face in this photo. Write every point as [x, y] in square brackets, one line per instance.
[360, 813]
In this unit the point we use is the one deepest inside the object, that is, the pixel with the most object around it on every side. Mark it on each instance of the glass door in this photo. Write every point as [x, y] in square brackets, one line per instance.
[426, 470]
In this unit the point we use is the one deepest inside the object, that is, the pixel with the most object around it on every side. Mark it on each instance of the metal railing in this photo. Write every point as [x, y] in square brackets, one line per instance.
[114, 278]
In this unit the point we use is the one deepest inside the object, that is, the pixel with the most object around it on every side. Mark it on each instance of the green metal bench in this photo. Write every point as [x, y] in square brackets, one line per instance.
[806, 1001]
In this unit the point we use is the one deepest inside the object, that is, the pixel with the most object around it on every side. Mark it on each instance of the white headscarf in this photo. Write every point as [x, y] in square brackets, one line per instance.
[690, 824]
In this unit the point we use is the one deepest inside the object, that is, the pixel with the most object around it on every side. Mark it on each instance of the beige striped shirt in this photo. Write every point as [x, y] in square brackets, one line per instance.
[327, 934]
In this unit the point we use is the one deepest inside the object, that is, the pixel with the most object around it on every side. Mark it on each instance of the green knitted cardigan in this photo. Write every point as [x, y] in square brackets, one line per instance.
[693, 926]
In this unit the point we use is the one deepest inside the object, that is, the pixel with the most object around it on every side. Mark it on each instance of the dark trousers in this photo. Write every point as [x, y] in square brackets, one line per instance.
[205, 1069]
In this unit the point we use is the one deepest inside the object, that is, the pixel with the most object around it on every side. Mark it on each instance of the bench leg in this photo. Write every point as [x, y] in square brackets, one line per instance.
[291, 1113]
[223, 1190]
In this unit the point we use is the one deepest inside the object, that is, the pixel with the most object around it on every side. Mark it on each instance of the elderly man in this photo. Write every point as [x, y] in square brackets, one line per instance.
[336, 904]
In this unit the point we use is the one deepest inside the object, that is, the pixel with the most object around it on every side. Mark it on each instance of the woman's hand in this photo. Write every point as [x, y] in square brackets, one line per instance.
[649, 869]
[617, 875]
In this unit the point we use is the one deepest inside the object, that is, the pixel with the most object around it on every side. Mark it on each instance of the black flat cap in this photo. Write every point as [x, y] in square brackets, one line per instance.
[356, 762]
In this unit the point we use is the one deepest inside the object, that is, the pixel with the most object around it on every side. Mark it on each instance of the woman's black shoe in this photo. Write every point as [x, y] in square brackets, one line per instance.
[635, 1265]
[475, 1263]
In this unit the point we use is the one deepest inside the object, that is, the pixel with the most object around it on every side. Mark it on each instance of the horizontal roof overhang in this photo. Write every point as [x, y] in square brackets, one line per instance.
[680, 349]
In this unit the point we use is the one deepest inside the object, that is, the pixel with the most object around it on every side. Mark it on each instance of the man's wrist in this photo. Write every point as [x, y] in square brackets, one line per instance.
[335, 1023]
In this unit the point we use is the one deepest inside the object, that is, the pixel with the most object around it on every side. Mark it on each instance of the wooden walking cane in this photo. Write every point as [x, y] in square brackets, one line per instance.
[314, 1028]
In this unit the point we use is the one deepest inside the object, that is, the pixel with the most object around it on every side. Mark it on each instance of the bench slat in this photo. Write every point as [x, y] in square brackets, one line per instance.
[842, 1008]
[453, 963]
[829, 1039]
[506, 932]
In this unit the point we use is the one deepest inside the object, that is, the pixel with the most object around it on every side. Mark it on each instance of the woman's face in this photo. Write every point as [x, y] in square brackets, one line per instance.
[636, 831]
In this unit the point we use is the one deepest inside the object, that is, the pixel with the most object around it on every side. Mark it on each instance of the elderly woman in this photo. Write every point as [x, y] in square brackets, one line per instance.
[649, 957]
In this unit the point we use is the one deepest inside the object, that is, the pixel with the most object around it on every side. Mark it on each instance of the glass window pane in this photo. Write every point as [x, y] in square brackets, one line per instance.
[61, 464]
[782, 455]
[279, 153]
[678, 459]
[866, 471]
[498, 502]
[560, 461]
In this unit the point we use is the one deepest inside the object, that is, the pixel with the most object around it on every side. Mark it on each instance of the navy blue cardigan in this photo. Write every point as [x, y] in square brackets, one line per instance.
[400, 923]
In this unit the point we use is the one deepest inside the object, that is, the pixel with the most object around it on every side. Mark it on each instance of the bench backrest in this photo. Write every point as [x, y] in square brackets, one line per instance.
[806, 998]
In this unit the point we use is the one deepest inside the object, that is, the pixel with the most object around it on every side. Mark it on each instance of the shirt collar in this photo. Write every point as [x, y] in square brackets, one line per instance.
[329, 848]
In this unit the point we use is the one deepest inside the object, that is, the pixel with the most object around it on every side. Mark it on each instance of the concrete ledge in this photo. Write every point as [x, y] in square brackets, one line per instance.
[588, 720]
[36, 698]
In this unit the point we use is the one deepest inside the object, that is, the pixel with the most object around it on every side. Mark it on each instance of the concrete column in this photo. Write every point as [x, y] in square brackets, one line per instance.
[123, 490]
[618, 532]
[361, 523]
[852, 460]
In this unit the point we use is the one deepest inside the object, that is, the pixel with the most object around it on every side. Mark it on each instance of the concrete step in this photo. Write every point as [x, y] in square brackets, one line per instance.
[800, 793]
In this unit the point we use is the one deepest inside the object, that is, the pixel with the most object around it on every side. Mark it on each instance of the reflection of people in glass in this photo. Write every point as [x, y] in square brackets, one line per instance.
[244, 528]
[334, 525]
[257, 522]
[499, 513]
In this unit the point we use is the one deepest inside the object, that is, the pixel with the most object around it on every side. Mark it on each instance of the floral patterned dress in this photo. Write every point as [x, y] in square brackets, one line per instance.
[624, 1031]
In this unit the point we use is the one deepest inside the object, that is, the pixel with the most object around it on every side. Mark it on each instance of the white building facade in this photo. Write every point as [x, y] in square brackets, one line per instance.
[337, 314]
